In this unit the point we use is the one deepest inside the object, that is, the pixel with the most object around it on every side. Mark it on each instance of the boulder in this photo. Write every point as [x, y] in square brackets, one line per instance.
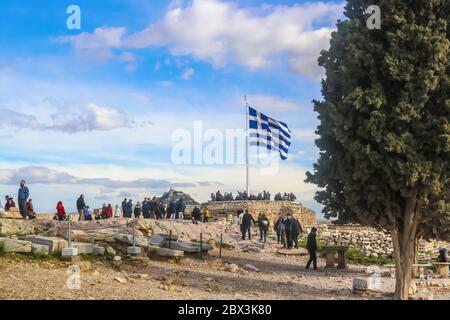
[128, 239]
[39, 249]
[54, 244]
[360, 284]
[182, 246]
[110, 250]
[164, 252]
[156, 240]
[99, 250]
[16, 227]
[11, 214]
[14, 245]
[251, 267]
[83, 247]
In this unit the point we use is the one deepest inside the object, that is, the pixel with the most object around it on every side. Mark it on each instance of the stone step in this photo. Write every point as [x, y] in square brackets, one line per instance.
[164, 252]
[83, 247]
[54, 244]
[39, 249]
[15, 246]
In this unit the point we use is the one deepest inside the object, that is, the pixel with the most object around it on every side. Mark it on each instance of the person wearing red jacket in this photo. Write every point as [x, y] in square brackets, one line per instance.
[60, 211]
[109, 211]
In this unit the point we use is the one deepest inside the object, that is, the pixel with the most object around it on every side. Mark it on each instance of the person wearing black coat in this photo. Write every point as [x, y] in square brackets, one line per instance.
[277, 229]
[146, 209]
[247, 220]
[195, 215]
[263, 224]
[296, 231]
[311, 246]
[289, 226]
[80, 206]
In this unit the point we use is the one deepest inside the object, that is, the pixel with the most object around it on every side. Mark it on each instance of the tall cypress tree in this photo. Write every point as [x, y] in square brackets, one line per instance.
[384, 132]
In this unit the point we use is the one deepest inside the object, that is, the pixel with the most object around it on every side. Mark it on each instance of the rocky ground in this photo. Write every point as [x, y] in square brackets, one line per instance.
[279, 277]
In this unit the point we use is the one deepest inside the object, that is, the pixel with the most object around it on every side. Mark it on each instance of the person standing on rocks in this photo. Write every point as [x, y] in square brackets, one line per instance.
[263, 224]
[23, 195]
[311, 246]
[195, 215]
[296, 230]
[172, 210]
[240, 218]
[289, 228]
[206, 215]
[277, 228]
[109, 211]
[282, 231]
[60, 211]
[181, 207]
[137, 210]
[129, 208]
[247, 220]
[30, 209]
[117, 212]
[124, 207]
[80, 206]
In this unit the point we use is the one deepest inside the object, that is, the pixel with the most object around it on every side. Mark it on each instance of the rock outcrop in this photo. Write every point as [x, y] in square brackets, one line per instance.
[222, 209]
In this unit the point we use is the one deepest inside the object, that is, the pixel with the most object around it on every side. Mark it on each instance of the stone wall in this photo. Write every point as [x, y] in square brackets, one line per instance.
[221, 209]
[372, 241]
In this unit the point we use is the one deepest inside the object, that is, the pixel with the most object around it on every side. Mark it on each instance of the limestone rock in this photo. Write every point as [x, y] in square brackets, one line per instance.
[39, 249]
[16, 227]
[54, 244]
[251, 267]
[128, 239]
[164, 252]
[13, 245]
[11, 214]
[110, 250]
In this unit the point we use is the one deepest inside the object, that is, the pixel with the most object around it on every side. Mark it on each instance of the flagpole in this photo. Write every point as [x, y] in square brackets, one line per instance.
[246, 146]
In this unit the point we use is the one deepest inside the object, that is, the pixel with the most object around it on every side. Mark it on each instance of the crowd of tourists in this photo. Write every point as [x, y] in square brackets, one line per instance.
[24, 201]
[243, 195]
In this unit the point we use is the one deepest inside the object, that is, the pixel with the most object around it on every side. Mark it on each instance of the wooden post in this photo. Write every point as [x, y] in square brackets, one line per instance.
[220, 248]
[170, 237]
[201, 245]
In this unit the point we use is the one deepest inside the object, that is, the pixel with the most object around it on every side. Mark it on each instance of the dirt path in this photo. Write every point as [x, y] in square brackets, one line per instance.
[280, 277]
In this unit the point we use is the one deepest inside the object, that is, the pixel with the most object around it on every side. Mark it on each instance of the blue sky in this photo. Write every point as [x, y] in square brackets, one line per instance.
[93, 110]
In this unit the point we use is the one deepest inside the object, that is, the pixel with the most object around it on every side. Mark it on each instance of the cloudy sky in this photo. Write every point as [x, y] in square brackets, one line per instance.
[93, 110]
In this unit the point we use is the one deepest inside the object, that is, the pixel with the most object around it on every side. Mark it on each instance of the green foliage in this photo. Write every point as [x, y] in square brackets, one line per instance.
[28, 257]
[302, 243]
[358, 256]
[384, 132]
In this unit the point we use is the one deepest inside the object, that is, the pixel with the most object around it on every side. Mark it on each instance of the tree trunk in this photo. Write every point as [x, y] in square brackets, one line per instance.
[404, 244]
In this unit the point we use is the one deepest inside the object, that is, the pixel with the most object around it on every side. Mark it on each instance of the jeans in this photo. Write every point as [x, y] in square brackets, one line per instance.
[246, 229]
[313, 259]
[262, 234]
[23, 208]
[295, 240]
[289, 238]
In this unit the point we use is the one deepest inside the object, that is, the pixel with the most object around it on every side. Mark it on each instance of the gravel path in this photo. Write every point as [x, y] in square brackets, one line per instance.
[280, 277]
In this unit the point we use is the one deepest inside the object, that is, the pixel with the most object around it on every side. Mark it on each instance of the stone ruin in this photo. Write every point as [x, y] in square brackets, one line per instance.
[373, 241]
[272, 209]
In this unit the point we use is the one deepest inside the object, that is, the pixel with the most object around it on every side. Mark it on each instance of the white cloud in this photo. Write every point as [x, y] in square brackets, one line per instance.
[221, 32]
[187, 74]
[271, 103]
[71, 118]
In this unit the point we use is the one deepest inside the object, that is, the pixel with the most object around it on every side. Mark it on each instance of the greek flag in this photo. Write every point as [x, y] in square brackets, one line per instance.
[267, 132]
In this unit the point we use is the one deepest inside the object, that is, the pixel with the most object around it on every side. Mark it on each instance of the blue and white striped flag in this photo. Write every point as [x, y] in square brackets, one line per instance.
[267, 132]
